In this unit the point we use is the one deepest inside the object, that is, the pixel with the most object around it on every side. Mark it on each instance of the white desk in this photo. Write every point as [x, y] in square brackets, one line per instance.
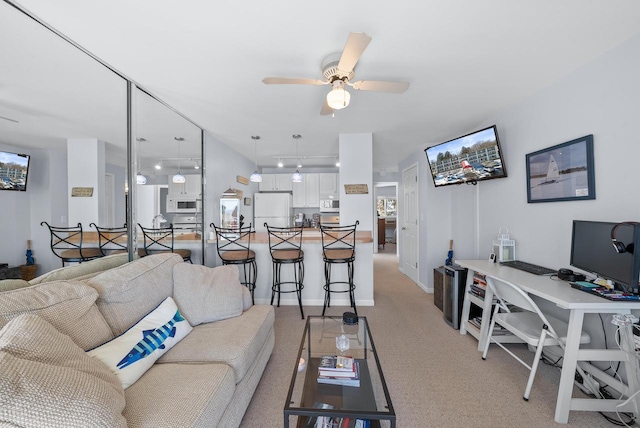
[578, 303]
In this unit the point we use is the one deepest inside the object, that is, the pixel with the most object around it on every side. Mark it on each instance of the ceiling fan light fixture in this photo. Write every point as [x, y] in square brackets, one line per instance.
[338, 98]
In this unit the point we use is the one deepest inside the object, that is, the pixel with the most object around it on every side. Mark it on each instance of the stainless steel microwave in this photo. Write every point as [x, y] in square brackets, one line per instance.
[329, 205]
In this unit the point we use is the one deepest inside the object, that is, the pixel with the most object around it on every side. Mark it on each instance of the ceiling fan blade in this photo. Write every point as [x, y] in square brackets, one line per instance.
[326, 110]
[356, 44]
[291, 81]
[380, 86]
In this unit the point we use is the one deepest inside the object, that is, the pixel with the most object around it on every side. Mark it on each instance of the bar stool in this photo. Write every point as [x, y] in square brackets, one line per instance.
[285, 245]
[234, 248]
[161, 241]
[338, 247]
[66, 243]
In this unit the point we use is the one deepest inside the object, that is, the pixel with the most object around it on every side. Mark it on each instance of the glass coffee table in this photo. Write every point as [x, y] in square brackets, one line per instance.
[317, 405]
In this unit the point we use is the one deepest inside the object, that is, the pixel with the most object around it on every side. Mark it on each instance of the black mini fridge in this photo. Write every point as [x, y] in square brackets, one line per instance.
[455, 279]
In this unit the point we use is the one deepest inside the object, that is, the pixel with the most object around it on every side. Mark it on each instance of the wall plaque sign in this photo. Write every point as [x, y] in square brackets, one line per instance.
[356, 189]
[242, 180]
[82, 192]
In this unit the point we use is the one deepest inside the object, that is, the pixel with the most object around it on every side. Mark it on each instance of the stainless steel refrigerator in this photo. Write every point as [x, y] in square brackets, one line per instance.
[275, 209]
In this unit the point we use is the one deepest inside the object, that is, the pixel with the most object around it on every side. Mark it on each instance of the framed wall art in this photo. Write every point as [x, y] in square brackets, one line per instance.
[562, 173]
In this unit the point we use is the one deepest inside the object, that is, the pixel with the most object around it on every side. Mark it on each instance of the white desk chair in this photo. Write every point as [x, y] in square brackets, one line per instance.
[530, 324]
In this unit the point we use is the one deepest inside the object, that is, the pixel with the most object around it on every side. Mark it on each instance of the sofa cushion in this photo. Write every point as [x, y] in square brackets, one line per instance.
[12, 284]
[206, 294]
[234, 341]
[48, 381]
[180, 395]
[129, 292]
[82, 270]
[68, 305]
[132, 353]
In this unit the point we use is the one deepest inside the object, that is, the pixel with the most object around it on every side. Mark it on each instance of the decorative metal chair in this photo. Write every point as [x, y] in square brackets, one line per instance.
[339, 247]
[67, 244]
[234, 248]
[111, 240]
[161, 240]
[285, 245]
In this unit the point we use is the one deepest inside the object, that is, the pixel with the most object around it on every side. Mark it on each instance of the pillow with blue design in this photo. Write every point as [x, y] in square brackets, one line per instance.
[132, 353]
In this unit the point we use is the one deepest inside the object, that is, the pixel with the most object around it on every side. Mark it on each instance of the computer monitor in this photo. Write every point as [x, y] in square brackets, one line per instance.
[592, 250]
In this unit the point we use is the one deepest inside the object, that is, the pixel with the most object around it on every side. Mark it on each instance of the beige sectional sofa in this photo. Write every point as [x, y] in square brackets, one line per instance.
[206, 379]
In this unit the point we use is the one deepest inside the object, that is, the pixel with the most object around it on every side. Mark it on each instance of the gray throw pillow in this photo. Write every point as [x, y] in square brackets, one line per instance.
[46, 380]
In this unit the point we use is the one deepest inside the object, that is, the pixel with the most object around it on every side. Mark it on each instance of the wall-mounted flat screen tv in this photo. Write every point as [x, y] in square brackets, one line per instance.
[14, 170]
[468, 159]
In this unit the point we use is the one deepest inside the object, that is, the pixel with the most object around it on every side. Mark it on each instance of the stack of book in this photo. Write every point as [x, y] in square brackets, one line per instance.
[479, 285]
[339, 370]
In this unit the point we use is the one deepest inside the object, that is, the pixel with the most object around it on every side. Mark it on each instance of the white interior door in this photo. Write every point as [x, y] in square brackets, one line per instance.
[409, 225]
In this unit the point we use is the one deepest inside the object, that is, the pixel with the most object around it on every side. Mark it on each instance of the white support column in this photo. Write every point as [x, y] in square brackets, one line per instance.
[86, 168]
[356, 167]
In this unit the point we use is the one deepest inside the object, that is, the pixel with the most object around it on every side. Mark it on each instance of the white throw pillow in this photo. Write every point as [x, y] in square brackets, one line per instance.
[132, 353]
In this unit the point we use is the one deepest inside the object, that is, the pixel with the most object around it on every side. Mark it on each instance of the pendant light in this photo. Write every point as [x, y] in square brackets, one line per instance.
[178, 178]
[296, 177]
[255, 177]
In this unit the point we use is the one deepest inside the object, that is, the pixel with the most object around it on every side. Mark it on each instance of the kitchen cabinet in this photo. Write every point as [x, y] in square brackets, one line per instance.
[329, 184]
[276, 182]
[307, 193]
[192, 186]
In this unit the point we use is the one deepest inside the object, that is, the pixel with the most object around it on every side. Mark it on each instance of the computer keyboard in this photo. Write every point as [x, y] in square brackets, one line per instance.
[529, 267]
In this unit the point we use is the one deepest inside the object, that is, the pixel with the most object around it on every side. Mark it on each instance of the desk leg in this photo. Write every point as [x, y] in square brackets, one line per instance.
[569, 362]
[466, 303]
[487, 311]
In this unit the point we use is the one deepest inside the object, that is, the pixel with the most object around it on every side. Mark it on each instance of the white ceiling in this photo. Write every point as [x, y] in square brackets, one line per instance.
[465, 60]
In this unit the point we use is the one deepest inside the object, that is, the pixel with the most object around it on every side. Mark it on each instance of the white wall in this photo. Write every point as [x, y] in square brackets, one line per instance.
[22, 212]
[600, 98]
[85, 168]
[356, 160]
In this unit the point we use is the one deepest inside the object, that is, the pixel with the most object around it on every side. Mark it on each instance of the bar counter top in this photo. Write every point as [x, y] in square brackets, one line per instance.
[310, 236]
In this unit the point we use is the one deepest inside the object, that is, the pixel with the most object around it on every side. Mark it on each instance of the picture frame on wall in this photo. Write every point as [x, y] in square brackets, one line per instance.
[564, 172]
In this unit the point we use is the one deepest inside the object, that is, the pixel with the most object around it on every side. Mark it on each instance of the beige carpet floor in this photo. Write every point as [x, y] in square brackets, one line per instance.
[436, 377]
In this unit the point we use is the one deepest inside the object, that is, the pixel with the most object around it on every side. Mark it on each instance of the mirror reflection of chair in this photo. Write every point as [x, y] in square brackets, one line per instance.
[285, 245]
[234, 248]
[161, 241]
[67, 244]
[529, 324]
[339, 247]
[111, 240]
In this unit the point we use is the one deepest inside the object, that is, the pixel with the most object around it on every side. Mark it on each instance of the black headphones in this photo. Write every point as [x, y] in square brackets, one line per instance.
[617, 245]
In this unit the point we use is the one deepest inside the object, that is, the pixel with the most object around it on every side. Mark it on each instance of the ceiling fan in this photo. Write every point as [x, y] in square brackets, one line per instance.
[337, 70]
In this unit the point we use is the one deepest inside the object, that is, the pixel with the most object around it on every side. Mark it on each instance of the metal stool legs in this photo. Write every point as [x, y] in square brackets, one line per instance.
[349, 283]
[298, 279]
